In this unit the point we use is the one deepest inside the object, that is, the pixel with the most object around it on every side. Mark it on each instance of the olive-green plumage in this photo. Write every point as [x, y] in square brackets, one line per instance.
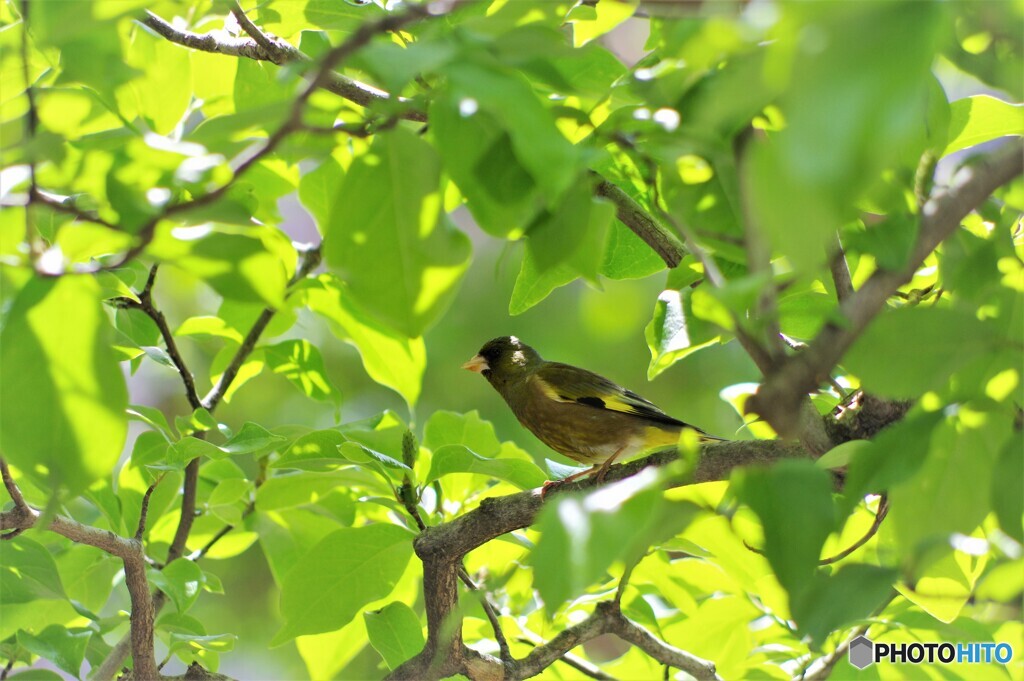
[576, 412]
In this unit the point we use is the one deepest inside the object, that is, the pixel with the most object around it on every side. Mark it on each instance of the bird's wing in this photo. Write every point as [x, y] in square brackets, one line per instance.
[565, 383]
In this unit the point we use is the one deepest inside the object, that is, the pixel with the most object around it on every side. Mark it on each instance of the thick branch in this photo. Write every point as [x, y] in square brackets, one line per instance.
[442, 547]
[777, 398]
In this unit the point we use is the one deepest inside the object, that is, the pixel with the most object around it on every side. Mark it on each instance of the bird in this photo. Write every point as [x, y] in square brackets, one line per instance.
[575, 412]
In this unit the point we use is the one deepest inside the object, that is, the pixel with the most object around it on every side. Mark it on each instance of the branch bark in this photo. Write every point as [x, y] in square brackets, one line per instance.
[278, 52]
[778, 397]
[442, 547]
[661, 240]
[130, 551]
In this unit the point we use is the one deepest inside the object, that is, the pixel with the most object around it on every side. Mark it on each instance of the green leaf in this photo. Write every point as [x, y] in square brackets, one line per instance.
[208, 326]
[946, 585]
[1007, 481]
[199, 421]
[316, 191]
[61, 646]
[252, 438]
[451, 428]
[906, 352]
[395, 632]
[593, 21]
[229, 491]
[479, 155]
[562, 246]
[259, 86]
[152, 417]
[951, 491]
[893, 457]
[831, 602]
[840, 455]
[300, 362]
[793, 499]
[865, 93]
[978, 119]
[63, 392]
[27, 572]
[150, 448]
[582, 536]
[627, 256]
[509, 98]
[459, 459]
[221, 643]
[388, 234]
[364, 563]
[297, 489]
[315, 451]
[389, 357]
[286, 535]
[163, 95]
[188, 448]
[239, 263]
[674, 332]
[182, 580]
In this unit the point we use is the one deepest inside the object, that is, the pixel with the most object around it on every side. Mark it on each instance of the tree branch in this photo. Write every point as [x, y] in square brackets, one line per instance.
[442, 547]
[278, 52]
[309, 260]
[777, 399]
[661, 240]
[146, 305]
[262, 39]
[23, 517]
[840, 270]
[632, 632]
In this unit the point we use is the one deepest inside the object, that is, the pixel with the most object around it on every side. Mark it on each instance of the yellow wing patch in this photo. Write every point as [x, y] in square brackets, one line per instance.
[612, 402]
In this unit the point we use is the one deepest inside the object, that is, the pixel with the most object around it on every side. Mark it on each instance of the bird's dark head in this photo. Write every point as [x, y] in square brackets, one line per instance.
[504, 359]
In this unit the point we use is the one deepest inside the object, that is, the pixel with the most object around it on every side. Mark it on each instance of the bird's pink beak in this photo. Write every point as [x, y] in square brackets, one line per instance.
[478, 364]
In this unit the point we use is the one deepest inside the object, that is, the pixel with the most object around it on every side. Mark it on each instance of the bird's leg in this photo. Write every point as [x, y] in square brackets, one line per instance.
[554, 484]
[602, 470]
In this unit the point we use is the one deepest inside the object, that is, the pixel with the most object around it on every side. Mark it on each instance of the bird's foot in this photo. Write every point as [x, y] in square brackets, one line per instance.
[548, 486]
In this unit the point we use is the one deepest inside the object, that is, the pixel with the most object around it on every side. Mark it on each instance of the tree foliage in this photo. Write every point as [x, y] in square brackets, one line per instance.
[793, 177]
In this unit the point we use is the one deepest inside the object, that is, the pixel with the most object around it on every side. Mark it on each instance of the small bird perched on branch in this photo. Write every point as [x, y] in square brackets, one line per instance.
[576, 412]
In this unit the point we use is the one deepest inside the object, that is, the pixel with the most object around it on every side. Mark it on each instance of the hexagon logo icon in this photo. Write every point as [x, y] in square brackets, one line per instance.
[862, 652]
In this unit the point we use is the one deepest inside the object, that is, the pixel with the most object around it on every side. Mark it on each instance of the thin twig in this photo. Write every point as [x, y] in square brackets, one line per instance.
[840, 270]
[39, 197]
[12, 487]
[281, 53]
[883, 510]
[492, 616]
[578, 663]
[624, 581]
[661, 240]
[309, 260]
[32, 123]
[146, 305]
[261, 38]
[144, 510]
